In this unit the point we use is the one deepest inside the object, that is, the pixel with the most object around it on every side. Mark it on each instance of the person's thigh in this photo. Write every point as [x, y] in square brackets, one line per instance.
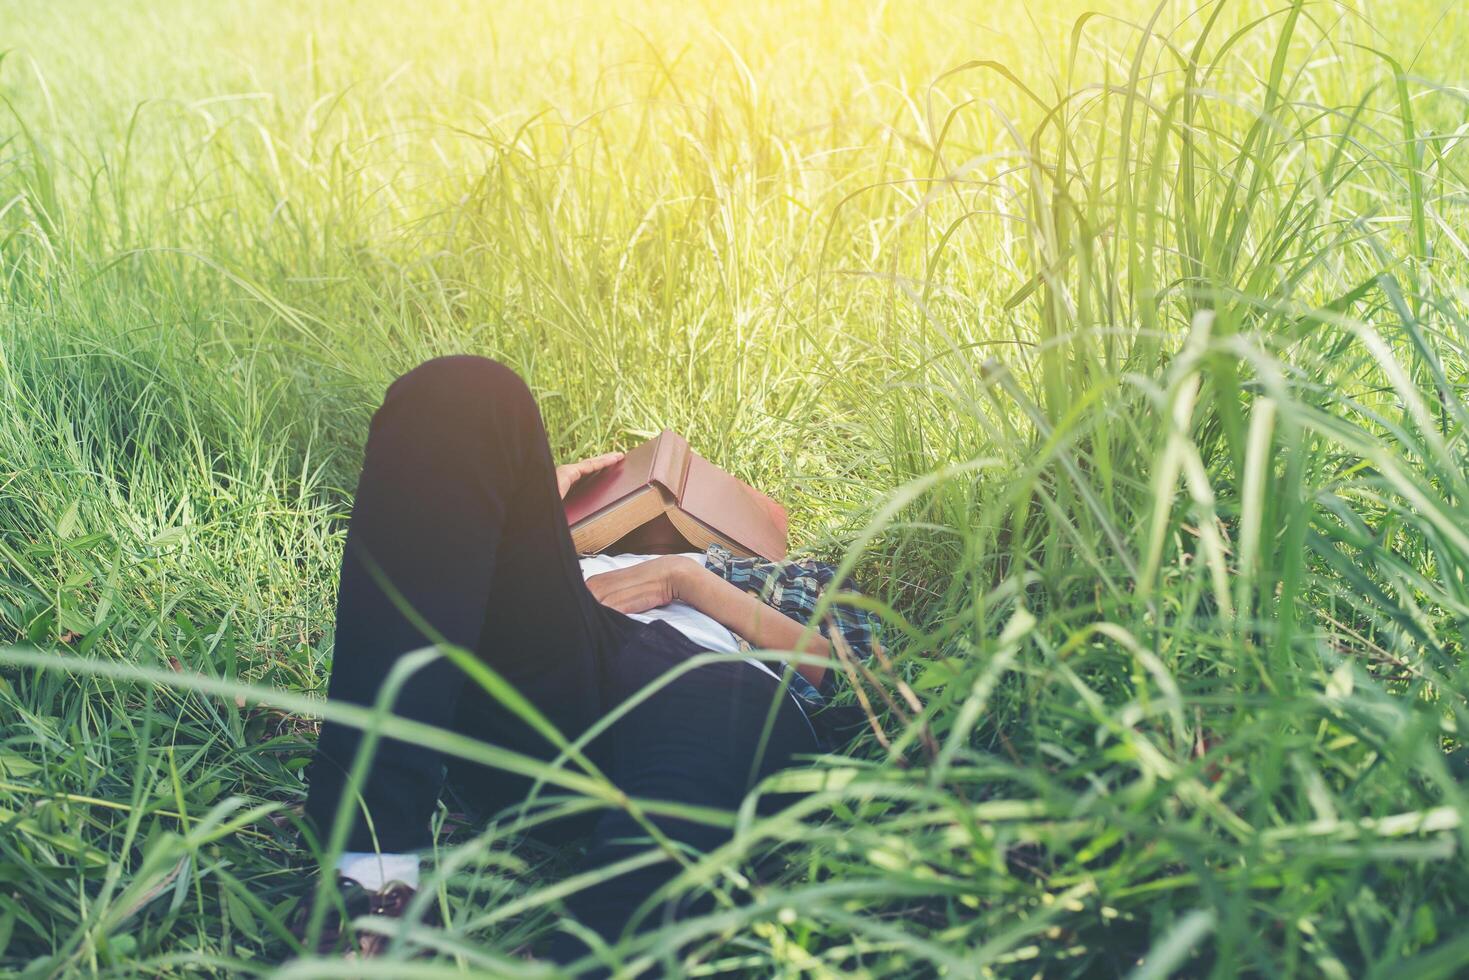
[544, 635]
[570, 704]
[700, 741]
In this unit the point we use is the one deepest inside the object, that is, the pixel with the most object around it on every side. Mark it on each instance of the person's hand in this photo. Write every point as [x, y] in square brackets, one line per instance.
[568, 473]
[646, 585]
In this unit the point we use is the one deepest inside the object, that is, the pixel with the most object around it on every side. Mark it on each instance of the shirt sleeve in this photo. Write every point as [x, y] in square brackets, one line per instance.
[794, 588]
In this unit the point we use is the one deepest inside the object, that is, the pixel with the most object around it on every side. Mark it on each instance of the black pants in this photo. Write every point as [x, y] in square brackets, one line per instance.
[457, 511]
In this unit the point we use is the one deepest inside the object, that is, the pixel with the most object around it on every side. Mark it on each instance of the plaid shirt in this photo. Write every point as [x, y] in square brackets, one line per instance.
[794, 588]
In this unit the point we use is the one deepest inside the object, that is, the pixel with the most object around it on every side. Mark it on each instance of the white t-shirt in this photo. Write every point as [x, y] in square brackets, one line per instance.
[706, 632]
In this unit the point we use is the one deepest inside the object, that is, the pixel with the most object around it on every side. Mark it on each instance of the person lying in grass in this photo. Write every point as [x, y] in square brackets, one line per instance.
[458, 536]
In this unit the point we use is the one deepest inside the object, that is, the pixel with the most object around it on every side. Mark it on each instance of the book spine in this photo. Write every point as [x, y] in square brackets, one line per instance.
[682, 455]
[671, 463]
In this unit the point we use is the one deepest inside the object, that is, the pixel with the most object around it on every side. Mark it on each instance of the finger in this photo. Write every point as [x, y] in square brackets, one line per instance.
[604, 584]
[622, 592]
[567, 475]
[634, 599]
[596, 463]
[597, 586]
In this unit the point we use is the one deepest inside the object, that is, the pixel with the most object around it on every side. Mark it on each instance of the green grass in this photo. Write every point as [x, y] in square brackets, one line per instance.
[1122, 354]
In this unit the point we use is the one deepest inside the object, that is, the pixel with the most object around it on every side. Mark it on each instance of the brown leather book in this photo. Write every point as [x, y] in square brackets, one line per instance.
[663, 496]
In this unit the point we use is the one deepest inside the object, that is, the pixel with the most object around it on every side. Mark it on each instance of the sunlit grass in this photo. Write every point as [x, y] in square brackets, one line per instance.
[1121, 354]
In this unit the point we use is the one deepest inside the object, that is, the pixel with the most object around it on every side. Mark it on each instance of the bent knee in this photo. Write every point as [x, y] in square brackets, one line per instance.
[459, 382]
[460, 372]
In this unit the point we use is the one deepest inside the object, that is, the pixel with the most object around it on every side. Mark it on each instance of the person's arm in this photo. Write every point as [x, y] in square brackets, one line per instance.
[660, 581]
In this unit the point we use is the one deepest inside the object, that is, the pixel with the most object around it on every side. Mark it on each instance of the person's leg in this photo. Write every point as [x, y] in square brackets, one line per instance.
[457, 514]
[693, 743]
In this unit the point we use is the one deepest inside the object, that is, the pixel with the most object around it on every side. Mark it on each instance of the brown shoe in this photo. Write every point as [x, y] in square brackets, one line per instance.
[337, 934]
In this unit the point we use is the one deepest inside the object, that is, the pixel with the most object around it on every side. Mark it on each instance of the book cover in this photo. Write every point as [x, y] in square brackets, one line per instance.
[664, 478]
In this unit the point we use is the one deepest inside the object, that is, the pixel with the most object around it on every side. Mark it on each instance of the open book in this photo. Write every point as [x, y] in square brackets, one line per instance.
[663, 496]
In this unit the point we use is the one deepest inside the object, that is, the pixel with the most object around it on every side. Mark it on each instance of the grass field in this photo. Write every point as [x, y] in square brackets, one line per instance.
[1120, 350]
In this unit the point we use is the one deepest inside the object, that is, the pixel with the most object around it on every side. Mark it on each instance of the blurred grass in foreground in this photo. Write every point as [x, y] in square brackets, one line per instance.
[1121, 353]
